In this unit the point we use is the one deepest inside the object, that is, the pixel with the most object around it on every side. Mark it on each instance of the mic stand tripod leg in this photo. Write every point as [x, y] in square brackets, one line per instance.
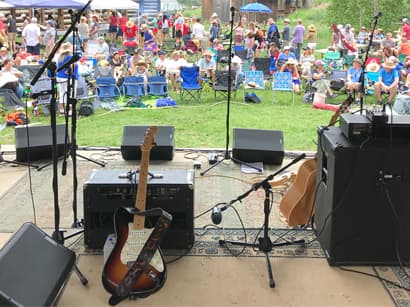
[228, 157]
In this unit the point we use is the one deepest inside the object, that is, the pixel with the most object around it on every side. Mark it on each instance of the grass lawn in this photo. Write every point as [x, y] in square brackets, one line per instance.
[203, 124]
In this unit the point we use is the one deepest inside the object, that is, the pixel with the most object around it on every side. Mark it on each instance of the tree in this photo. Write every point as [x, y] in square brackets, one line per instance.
[360, 13]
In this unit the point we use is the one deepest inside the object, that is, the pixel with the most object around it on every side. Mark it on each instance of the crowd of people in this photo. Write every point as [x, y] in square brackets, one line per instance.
[136, 47]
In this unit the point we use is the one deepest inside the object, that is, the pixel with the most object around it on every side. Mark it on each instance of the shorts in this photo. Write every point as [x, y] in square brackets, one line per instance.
[165, 30]
[119, 32]
[34, 50]
[112, 29]
[11, 36]
[178, 33]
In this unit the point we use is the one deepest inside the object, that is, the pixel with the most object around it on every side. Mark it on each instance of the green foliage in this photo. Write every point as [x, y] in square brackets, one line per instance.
[360, 13]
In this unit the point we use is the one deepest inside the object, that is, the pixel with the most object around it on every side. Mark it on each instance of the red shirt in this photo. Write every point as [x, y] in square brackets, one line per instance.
[185, 29]
[130, 32]
[114, 20]
[406, 30]
[122, 22]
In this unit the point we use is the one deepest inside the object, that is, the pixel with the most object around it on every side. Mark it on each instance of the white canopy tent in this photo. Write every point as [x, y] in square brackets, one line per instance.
[117, 4]
[5, 5]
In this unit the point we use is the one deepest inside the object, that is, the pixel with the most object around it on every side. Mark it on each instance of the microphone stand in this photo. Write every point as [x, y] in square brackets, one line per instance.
[265, 244]
[227, 156]
[49, 64]
[362, 90]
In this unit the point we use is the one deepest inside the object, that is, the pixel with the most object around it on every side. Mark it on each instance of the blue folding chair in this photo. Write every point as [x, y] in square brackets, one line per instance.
[157, 86]
[134, 86]
[190, 86]
[282, 81]
[107, 87]
[253, 81]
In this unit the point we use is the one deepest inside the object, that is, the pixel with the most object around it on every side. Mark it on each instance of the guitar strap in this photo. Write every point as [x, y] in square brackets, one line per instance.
[143, 260]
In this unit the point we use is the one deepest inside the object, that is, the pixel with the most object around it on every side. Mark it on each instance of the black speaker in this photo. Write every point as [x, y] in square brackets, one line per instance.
[40, 140]
[106, 190]
[361, 209]
[254, 145]
[133, 137]
[33, 268]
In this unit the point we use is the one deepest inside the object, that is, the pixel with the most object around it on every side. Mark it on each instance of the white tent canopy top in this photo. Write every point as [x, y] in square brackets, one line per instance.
[117, 4]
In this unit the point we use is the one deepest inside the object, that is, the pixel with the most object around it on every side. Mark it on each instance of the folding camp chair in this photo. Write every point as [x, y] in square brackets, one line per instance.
[168, 45]
[282, 81]
[263, 64]
[333, 61]
[338, 79]
[222, 80]
[134, 86]
[190, 86]
[107, 88]
[253, 81]
[157, 86]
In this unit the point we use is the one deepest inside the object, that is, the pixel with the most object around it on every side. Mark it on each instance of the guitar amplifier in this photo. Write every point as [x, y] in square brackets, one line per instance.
[106, 190]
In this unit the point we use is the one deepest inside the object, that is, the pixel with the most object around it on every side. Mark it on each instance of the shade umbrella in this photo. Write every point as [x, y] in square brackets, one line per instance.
[255, 8]
[70, 4]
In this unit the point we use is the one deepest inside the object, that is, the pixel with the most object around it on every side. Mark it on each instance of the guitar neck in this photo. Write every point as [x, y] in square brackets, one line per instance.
[141, 198]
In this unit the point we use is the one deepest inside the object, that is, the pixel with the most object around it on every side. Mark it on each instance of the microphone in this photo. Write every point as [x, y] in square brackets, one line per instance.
[67, 64]
[216, 215]
[379, 14]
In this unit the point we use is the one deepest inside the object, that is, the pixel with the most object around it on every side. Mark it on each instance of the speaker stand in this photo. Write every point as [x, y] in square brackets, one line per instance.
[2, 160]
[265, 244]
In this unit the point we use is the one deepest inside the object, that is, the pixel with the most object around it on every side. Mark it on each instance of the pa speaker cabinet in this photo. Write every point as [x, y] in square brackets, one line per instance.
[106, 190]
[361, 209]
[40, 140]
[34, 268]
[254, 145]
[133, 137]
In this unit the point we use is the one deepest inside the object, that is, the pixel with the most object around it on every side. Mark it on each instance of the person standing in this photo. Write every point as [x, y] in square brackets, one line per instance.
[49, 37]
[11, 33]
[298, 34]
[286, 32]
[32, 37]
[273, 32]
[113, 27]
[198, 32]
[3, 34]
[62, 76]
[406, 28]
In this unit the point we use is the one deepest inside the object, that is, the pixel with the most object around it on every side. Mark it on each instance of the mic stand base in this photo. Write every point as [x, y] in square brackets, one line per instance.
[227, 156]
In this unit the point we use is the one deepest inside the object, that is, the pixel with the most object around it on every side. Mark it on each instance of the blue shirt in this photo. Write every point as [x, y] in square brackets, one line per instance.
[64, 72]
[272, 31]
[354, 74]
[388, 76]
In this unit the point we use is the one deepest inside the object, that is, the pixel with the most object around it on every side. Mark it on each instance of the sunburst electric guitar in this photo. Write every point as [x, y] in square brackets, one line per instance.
[135, 266]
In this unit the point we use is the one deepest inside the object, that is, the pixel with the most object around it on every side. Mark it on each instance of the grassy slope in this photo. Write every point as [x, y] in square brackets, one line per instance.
[203, 124]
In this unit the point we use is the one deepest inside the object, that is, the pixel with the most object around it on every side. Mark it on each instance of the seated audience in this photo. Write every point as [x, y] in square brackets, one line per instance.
[22, 56]
[307, 56]
[141, 70]
[388, 82]
[9, 78]
[284, 56]
[207, 66]
[133, 60]
[103, 69]
[404, 47]
[353, 76]
[3, 54]
[320, 82]
[173, 70]
[102, 48]
[290, 66]
[161, 63]
[362, 36]
[402, 102]
[387, 46]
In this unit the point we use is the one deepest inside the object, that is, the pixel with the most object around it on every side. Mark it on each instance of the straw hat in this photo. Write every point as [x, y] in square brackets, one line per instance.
[104, 63]
[286, 20]
[236, 60]
[311, 28]
[389, 64]
[65, 48]
[129, 24]
[357, 60]
[141, 63]
[144, 26]
[214, 15]
[291, 61]
[373, 67]
[208, 53]
[95, 16]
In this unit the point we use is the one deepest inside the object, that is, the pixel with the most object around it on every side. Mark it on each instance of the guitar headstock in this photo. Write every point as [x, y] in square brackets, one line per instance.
[149, 140]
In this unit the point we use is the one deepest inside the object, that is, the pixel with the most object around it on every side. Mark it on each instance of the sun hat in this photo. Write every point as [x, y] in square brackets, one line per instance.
[208, 53]
[161, 52]
[286, 48]
[129, 24]
[357, 60]
[373, 66]
[144, 26]
[311, 28]
[96, 17]
[214, 15]
[141, 63]
[291, 61]
[66, 47]
[393, 59]
[319, 63]
[33, 20]
[236, 60]
[286, 20]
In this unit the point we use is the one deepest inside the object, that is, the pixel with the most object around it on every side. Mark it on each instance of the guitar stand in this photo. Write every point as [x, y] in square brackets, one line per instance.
[265, 244]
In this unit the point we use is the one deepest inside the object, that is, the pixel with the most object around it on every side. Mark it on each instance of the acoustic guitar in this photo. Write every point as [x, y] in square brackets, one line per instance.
[135, 266]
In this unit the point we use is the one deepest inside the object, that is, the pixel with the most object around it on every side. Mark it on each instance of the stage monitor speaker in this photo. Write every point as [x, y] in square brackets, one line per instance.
[106, 190]
[40, 140]
[34, 268]
[361, 210]
[133, 137]
[254, 145]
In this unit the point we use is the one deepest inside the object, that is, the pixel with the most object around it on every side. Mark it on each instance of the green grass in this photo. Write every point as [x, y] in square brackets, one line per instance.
[203, 124]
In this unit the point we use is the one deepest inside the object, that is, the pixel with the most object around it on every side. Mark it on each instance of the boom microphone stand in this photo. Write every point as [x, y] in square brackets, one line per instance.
[227, 156]
[265, 244]
[362, 89]
[57, 235]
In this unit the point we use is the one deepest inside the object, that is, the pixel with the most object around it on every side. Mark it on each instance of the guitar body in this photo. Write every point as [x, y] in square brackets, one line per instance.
[297, 204]
[116, 267]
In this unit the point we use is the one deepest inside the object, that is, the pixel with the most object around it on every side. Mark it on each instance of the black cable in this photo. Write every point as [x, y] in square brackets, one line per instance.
[244, 233]
[375, 276]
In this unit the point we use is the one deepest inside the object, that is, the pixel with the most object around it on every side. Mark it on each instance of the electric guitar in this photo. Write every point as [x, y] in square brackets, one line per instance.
[135, 266]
